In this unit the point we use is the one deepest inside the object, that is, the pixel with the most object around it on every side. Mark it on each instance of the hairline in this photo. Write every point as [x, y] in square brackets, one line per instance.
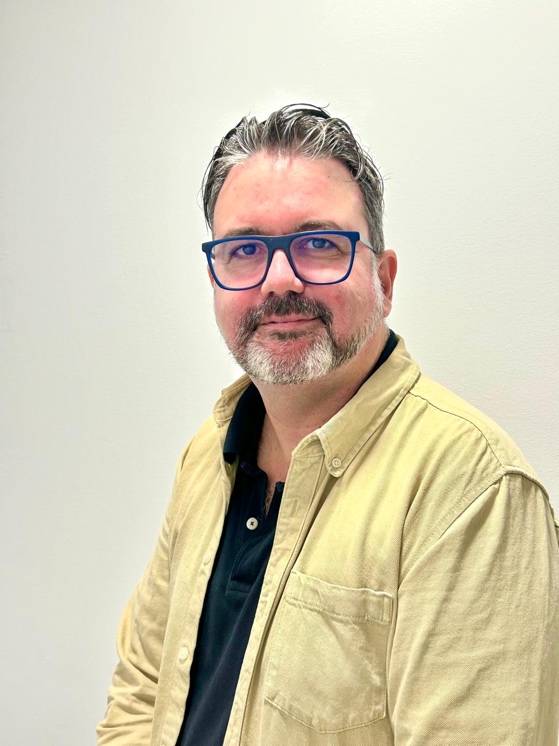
[289, 133]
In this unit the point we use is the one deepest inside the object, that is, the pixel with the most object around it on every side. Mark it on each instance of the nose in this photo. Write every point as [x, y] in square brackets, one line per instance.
[280, 278]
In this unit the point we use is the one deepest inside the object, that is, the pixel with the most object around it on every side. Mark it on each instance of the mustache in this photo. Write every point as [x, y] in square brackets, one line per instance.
[286, 305]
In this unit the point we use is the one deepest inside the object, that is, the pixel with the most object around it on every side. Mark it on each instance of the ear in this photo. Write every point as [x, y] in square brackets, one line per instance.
[387, 266]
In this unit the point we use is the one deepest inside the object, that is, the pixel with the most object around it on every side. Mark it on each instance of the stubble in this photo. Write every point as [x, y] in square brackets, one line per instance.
[286, 363]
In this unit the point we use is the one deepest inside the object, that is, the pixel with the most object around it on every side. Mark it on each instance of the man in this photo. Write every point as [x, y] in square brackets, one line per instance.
[351, 555]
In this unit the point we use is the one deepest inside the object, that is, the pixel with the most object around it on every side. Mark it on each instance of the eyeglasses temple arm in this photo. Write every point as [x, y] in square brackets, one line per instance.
[367, 244]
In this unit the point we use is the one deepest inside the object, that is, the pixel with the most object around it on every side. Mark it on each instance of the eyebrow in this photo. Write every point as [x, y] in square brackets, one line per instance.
[309, 225]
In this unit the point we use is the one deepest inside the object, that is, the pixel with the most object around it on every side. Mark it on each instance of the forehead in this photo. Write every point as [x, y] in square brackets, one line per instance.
[276, 193]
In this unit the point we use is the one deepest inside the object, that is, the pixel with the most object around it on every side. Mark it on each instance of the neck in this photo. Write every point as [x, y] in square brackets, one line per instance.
[293, 411]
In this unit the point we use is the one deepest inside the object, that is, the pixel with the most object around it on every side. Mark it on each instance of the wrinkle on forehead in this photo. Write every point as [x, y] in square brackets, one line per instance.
[270, 188]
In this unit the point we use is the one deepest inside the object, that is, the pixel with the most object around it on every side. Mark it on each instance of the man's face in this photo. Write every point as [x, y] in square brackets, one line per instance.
[285, 331]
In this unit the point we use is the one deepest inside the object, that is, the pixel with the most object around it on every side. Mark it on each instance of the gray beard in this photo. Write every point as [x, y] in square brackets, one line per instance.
[323, 352]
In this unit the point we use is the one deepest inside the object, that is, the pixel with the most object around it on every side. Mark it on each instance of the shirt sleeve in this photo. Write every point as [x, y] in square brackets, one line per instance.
[475, 655]
[131, 700]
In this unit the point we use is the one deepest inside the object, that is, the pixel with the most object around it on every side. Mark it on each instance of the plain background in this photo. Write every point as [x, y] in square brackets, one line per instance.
[110, 110]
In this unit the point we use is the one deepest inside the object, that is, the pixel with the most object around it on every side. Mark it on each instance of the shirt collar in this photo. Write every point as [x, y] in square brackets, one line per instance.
[342, 437]
[243, 433]
[388, 349]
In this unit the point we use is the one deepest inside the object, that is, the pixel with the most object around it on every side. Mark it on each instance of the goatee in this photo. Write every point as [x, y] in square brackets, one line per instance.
[322, 353]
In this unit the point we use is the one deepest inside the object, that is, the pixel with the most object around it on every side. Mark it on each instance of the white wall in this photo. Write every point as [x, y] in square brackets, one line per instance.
[110, 359]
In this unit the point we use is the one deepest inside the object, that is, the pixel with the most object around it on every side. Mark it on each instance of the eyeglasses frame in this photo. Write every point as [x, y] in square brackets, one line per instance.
[283, 243]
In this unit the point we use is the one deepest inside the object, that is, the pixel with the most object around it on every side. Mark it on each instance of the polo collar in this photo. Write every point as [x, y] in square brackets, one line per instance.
[243, 433]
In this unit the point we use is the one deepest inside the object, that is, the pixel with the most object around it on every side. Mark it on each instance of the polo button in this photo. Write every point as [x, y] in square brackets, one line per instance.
[207, 557]
[252, 523]
[336, 462]
[183, 654]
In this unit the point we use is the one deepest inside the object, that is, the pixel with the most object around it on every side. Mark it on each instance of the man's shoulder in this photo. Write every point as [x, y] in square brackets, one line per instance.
[441, 428]
[456, 421]
[456, 456]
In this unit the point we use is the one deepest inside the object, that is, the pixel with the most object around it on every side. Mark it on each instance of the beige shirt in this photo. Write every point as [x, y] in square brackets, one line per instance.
[411, 596]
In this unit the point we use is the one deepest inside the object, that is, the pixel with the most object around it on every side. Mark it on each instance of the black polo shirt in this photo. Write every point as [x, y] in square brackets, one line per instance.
[236, 580]
[234, 586]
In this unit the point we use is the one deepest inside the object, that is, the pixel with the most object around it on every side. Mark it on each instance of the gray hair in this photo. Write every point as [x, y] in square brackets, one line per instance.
[304, 130]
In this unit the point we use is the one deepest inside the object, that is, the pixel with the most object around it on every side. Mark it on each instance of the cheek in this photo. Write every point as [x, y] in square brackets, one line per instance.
[221, 313]
[229, 307]
[356, 308]
[343, 305]
[353, 303]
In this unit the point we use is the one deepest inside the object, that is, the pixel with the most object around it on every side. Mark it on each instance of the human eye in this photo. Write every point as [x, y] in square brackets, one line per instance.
[239, 250]
[320, 245]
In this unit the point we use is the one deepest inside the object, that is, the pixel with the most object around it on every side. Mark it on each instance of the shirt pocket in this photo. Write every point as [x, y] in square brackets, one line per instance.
[327, 665]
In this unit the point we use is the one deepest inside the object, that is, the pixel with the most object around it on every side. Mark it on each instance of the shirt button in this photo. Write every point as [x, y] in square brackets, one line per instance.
[207, 557]
[336, 462]
[183, 654]
[252, 523]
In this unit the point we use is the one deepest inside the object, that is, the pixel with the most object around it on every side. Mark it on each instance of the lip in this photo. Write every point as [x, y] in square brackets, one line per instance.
[280, 321]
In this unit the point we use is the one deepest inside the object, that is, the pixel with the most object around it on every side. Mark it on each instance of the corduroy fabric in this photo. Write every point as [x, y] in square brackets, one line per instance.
[411, 596]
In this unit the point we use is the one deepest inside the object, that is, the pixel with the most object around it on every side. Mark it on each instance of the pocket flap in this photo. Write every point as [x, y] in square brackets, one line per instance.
[359, 604]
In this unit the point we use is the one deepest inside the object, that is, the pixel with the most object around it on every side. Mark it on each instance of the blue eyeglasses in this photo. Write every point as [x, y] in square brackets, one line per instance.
[316, 257]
